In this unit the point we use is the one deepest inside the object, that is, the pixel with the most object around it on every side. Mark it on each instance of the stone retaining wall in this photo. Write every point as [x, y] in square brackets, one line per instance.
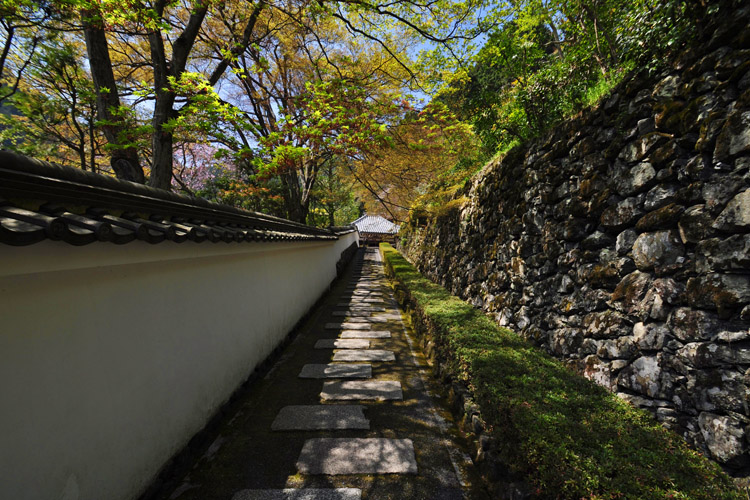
[621, 242]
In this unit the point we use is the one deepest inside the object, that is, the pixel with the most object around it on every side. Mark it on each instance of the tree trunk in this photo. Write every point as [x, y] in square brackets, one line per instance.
[161, 140]
[309, 176]
[556, 39]
[599, 56]
[124, 158]
[10, 30]
[296, 205]
[162, 144]
[92, 142]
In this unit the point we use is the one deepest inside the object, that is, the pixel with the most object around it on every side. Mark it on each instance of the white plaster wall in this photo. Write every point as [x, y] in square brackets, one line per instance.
[113, 357]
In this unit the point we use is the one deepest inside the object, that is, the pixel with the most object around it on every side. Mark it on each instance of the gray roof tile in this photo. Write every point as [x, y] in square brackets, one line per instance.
[375, 224]
[40, 200]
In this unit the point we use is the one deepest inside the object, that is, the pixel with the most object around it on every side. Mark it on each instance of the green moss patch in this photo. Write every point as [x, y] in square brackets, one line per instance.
[566, 435]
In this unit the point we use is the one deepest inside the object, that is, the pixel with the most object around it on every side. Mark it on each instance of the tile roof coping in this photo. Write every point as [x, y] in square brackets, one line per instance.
[80, 207]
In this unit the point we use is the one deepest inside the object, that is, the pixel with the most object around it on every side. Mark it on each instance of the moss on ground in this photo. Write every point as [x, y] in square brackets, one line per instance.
[569, 437]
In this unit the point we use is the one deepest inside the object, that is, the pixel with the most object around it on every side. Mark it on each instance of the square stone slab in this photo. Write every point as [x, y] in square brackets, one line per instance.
[385, 317]
[373, 390]
[364, 355]
[300, 494]
[369, 299]
[351, 313]
[354, 306]
[335, 456]
[348, 326]
[358, 320]
[365, 334]
[342, 344]
[361, 308]
[336, 371]
[320, 417]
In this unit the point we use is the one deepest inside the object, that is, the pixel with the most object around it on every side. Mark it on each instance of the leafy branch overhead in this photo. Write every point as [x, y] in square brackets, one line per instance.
[268, 94]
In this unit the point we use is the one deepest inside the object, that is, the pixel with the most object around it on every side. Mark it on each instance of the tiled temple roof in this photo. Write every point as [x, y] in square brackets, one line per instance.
[40, 201]
[375, 224]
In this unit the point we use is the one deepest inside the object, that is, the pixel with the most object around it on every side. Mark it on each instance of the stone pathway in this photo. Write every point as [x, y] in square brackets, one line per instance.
[348, 412]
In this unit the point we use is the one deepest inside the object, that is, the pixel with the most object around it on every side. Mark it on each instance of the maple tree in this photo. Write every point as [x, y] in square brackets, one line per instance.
[20, 38]
[280, 91]
[280, 88]
[333, 201]
[55, 108]
[293, 103]
[425, 148]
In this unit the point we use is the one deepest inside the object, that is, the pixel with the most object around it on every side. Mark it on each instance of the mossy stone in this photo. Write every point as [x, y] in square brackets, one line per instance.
[665, 112]
[663, 218]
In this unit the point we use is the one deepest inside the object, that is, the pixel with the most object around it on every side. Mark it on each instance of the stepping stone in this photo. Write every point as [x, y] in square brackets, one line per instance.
[348, 326]
[353, 306]
[335, 456]
[352, 313]
[386, 317]
[372, 390]
[365, 334]
[320, 418]
[300, 494]
[336, 371]
[359, 307]
[364, 355]
[342, 344]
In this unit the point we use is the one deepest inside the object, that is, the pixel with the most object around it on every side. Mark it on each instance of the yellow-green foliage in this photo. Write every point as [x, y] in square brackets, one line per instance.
[569, 437]
[437, 203]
